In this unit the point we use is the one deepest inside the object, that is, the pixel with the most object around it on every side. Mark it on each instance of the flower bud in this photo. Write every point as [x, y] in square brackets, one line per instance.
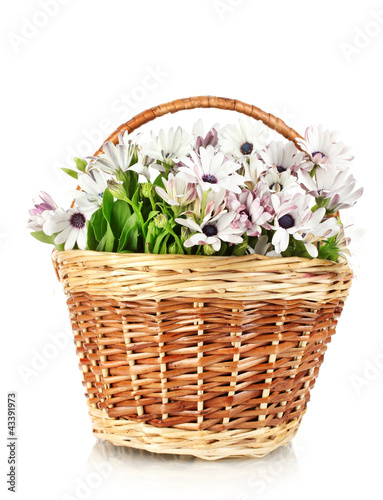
[147, 189]
[173, 248]
[161, 221]
[208, 250]
[184, 233]
[240, 249]
[117, 189]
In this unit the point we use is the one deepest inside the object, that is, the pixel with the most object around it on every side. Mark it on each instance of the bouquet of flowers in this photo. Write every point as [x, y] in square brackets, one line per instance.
[227, 192]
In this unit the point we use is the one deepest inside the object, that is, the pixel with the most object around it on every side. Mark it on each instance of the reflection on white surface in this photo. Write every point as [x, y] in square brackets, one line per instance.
[237, 478]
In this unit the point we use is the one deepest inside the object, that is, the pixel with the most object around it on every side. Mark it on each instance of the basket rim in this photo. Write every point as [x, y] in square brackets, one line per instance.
[315, 262]
[150, 276]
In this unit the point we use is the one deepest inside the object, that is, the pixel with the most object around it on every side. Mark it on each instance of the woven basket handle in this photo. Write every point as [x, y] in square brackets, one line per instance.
[204, 102]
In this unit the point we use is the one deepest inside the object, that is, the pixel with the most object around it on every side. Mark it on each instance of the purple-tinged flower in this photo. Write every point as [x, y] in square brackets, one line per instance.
[332, 185]
[263, 194]
[177, 191]
[250, 215]
[292, 214]
[44, 205]
[202, 140]
[323, 148]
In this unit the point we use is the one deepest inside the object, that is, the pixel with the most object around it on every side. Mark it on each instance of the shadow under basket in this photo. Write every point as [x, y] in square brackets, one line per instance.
[206, 356]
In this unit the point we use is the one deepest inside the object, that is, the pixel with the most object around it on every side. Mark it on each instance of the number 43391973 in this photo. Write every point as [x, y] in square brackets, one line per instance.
[11, 413]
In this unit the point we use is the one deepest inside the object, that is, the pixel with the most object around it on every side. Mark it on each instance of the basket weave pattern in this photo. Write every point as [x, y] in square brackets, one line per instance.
[207, 356]
[200, 344]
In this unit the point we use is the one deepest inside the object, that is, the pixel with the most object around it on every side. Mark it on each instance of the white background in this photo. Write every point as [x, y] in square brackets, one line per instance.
[66, 84]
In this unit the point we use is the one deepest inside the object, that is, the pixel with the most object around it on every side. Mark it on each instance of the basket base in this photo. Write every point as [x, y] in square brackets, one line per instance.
[202, 444]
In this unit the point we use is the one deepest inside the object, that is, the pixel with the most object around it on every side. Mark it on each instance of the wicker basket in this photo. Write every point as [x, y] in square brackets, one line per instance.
[206, 356]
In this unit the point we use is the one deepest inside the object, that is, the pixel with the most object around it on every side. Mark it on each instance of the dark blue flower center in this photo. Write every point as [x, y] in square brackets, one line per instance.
[281, 169]
[286, 221]
[318, 153]
[212, 179]
[210, 230]
[246, 148]
[78, 220]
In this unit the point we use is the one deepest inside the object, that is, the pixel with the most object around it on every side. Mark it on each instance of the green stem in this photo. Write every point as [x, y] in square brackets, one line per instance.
[204, 199]
[152, 202]
[177, 239]
[314, 169]
[137, 211]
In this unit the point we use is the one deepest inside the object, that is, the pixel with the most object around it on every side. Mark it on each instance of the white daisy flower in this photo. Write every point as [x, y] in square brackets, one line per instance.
[115, 158]
[317, 230]
[212, 231]
[261, 247]
[292, 214]
[70, 226]
[146, 169]
[323, 148]
[214, 203]
[126, 140]
[177, 191]
[277, 182]
[168, 147]
[245, 140]
[211, 170]
[337, 187]
[93, 185]
[253, 168]
[283, 156]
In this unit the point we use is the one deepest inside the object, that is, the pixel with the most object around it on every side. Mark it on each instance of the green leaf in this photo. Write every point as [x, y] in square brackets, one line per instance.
[131, 184]
[136, 195]
[70, 172]
[100, 234]
[109, 239]
[120, 214]
[159, 240]
[99, 224]
[151, 237]
[150, 216]
[129, 235]
[41, 236]
[92, 243]
[164, 246]
[107, 204]
[81, 164]
[101, 245]
[329, 250]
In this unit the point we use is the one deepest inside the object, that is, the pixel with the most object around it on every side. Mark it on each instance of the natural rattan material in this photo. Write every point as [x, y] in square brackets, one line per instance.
[207, 101]
[207, 356]
[200, 344]
[203, 444]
